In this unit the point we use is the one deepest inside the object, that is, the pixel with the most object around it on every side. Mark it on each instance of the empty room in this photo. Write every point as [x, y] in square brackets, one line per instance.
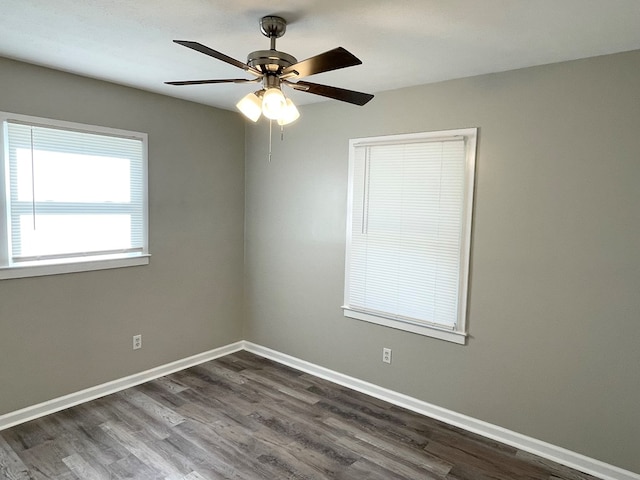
[320, 240]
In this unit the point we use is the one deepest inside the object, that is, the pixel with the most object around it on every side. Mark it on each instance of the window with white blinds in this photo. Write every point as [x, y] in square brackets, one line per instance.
[408, 232]
[73, 194]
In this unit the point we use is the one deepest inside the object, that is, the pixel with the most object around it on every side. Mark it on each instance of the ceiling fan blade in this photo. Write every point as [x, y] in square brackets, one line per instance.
[198, 47]
[349, 96]
[325, 62]
[201, 82]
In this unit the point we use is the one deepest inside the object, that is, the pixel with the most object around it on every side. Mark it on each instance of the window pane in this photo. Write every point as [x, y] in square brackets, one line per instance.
[71, 177]
[66, 234]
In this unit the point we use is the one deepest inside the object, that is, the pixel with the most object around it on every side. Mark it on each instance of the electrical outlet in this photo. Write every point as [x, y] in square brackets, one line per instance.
[386, 355]
[137, 342]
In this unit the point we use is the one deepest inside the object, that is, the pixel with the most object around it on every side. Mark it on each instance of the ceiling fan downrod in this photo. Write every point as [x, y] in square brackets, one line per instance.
[273, 27]
[271, 62]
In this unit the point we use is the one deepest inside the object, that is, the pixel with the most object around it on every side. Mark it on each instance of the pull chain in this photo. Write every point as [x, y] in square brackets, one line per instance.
[270, 135]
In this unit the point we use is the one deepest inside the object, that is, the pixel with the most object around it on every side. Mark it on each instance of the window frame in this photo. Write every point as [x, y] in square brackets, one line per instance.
[70, 264]
[459, 333]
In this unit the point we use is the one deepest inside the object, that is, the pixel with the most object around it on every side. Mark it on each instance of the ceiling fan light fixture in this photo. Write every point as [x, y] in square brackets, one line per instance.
[273, 103]
[250, 106]
[289, 114]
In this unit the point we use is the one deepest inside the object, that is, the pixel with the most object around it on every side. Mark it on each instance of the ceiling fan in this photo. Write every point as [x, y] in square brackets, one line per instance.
[274, 69]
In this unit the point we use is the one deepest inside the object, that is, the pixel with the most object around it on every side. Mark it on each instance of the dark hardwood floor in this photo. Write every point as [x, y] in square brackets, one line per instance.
[245, 417]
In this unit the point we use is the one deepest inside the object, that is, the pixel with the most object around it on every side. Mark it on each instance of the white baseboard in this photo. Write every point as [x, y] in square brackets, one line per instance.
[522, 442]
[55, 405]
[537, 447]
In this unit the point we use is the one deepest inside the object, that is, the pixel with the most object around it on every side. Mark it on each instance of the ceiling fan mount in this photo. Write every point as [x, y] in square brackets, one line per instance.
[274, 68]
[273, 26]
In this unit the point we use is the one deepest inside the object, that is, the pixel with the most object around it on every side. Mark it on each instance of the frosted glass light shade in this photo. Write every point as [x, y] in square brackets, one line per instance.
[273, 103]
[250, 106]
[289, 114]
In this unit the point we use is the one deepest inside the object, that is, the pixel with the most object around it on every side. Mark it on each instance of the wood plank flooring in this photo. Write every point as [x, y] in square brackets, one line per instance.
[247, 418]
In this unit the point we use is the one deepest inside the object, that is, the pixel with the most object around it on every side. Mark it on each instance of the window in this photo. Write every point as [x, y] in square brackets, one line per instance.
[74, 197]
[408, 231]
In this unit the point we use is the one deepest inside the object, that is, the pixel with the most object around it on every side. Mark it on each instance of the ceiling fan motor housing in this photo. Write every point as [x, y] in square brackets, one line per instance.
[270, 61]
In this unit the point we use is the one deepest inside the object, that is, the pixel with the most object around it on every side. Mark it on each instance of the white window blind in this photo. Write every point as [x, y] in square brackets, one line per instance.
[73, 194]
[406, 250]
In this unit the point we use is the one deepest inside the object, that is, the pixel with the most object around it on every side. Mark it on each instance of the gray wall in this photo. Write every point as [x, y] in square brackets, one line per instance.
[553, 308]
[62, 333]
[554, 303]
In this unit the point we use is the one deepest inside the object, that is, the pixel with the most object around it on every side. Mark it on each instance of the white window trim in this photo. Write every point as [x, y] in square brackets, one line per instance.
[73, 266]
[459, 334]
[76, 264]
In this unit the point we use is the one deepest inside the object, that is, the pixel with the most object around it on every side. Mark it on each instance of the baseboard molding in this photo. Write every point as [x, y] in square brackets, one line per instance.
[55, 405]
[537, 447]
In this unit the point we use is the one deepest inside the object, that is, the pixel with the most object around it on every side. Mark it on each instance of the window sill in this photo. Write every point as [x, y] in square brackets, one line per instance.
[426, 330]
[86, 264]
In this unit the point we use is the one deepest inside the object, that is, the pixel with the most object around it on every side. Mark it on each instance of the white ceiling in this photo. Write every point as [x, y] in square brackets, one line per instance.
[401, 42]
